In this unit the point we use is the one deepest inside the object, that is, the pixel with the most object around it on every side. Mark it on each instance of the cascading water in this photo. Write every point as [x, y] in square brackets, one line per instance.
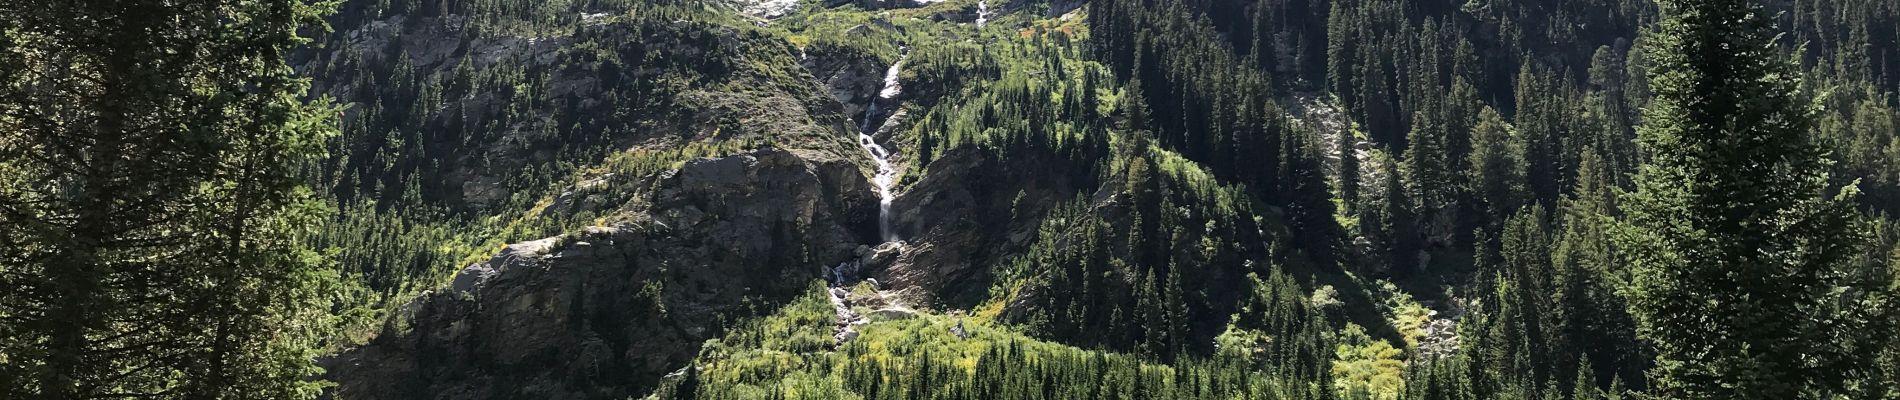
[886, 174]
[845, 328]
[982, 13]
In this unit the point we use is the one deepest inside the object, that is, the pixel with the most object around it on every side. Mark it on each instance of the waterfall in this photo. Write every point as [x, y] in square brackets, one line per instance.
[891, 90]
[886, 174]
[982, 13]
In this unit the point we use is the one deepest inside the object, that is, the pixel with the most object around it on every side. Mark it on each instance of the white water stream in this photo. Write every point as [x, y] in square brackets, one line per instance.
[886, 174]
[845, 328]
[982, 13]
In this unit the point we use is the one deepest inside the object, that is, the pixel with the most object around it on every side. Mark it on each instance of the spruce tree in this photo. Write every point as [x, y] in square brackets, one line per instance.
[1397, 227]
[152, 205]
[1340, 51]
[1733, 232]
[1539, 124]
[1590, 314]
[1496, 177]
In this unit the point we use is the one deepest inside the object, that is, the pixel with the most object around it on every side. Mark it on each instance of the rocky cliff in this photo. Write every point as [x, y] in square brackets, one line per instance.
[605, 312]
[971, 211]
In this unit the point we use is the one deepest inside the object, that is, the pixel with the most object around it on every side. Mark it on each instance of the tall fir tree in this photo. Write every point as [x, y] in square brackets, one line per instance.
[1496, 177]
[152, 202]
[1592, 316]
[1733, 232]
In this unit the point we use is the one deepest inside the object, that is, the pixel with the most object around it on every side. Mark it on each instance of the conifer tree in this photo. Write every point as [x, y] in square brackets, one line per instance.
[1733, 231]
[1496, 177]
[152, 202]
[1539, 125]
[1587, 310]
[1340, 51]
[1400, 233]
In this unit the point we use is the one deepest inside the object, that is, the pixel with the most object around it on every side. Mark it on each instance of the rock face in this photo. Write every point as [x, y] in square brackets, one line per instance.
[953, 229]
[768, 9]
[465, 145]
[604, 313]
[881, 4]
[853, 80]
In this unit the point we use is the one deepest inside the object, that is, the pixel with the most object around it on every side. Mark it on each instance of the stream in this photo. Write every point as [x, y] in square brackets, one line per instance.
[886, 173]
[845, 328]
[982, 13]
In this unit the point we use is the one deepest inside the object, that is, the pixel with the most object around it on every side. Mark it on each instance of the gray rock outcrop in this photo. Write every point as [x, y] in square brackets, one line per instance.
[605, 312]
[951, 231]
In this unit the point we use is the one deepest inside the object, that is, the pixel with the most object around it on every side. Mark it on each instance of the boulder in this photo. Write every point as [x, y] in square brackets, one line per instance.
[892, 314]
[846, 335]
[768, 9]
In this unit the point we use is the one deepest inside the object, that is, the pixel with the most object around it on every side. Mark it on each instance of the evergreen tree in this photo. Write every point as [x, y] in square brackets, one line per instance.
[1426, 173]
[1541, 127]
[1731, 231]
[1524, 249]
[1397, 227]
[1340, 53]
[1589, 312]
[1496, 177]
[152, 200]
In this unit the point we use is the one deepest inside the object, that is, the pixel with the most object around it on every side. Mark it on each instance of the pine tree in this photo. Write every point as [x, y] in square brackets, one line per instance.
[1585, 387]
[1496, 177]
[1524, 249]
[152, 200]
[1376, 107]
[1587, 308]
[1731, 232]
[1540, 127]
[1611, 104]
[1424, 163]
[1401, 235]
[1176, 303]
[1340, 50]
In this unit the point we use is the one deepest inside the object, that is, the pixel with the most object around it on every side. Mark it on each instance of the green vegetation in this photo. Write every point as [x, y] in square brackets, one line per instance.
[1737, 242]
[790, 355]
[438, 166]
[1298, 199]
[152, 160]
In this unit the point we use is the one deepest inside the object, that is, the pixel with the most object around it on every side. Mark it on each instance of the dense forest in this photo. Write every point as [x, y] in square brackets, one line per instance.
[950, 199]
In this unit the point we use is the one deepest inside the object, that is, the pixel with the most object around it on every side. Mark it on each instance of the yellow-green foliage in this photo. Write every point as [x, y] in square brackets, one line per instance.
[1199, 180]
[790, 354]
[1364, 368]
[800, 327]
[1405, 313]
[1241, 343]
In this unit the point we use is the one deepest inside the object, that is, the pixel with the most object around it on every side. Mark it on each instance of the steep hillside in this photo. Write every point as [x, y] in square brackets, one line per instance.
[1157, 199]
[950, 199]
[458, 140]
[604, 311]
[958, 122]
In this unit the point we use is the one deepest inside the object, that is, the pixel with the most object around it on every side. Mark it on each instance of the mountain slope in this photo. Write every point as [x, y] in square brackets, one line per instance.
[1135, 196]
